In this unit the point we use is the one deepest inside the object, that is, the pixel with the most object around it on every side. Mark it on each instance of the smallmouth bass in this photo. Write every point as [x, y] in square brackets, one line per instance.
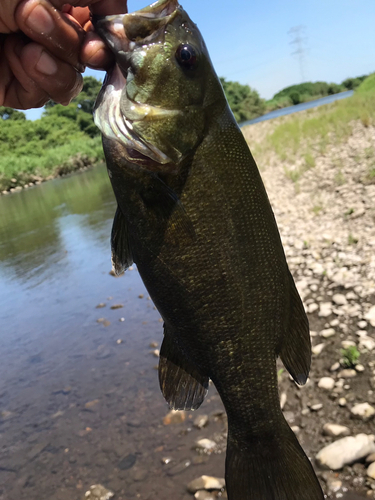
[194, 216]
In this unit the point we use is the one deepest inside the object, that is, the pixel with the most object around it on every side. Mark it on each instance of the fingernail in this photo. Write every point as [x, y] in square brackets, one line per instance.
[40, 21]
[46, 65]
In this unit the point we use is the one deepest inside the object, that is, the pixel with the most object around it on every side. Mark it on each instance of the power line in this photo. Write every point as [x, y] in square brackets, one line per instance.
[300, 40]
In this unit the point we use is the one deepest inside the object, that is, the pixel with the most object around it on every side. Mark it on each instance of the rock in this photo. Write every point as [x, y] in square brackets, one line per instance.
[98, 492]
[347, 343]
[201, 421]
[346, 451]
[156, 353]
[283, 400]
[205, 444]
[180, 467]
[364, 411]
[362, 324]
[333, 483]
[174, 417]
[367, 343]
[335, 367]
[154, 345]
[312, 308]
[127, 462]
[205, 495]
[326, 383]
[117, 306]
[325, 309]
[206, 483]
[371, 471]
[335, 430]
[91, 404]
[327, 333]
[101, 305]
[359, 368]
[316, 407]
[347, 373]
[166, 460]
[370, 458]
[339, 299]
[342, 402]
[317, 349]
[370, 316]
[296, 429]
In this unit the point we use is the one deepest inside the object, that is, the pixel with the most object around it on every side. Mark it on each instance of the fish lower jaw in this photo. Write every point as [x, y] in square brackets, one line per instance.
[114, 125]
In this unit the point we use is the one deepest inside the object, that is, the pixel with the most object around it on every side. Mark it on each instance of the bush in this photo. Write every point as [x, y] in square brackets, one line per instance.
[244, 101]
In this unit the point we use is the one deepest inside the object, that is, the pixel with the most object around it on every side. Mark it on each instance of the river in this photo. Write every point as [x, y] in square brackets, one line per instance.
[79, 396]
[299, 107]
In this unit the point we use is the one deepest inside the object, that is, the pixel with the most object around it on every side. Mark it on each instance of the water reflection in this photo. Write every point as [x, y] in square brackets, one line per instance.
[35, 224]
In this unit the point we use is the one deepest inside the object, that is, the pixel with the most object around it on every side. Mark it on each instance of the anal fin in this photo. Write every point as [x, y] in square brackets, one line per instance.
[183, 386]
[296, 348]
[121, 252]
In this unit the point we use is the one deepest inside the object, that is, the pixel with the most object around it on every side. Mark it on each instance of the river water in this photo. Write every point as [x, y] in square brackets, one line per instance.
[79, 398]
[299, 107]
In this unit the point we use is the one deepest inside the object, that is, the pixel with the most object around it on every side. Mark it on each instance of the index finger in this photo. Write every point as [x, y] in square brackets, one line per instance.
[59, 33]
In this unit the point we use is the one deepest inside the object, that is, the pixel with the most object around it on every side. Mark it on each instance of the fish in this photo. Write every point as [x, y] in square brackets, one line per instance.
[194, 216]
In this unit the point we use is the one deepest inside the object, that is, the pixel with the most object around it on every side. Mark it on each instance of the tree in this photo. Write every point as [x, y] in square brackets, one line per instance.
[244, 101]
[11, 114]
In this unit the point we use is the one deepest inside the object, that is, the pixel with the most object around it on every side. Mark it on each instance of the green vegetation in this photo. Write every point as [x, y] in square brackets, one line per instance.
[309, 91]
[350, 356]
[307, 135]
[63, 140]
[244, 101]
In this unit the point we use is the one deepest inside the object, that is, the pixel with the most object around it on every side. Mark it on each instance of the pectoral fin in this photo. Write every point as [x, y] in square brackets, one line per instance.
[182, 384]
[121, 252]
[296, 349]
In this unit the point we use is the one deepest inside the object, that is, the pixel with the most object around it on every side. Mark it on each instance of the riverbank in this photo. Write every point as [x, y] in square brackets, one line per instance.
[319, 172]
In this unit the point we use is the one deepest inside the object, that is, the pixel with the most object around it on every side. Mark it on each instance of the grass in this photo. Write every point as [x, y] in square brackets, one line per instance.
[350, 357]
[31, 151]
[306, 135]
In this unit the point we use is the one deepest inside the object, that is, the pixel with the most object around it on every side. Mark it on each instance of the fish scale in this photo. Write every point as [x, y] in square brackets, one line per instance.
[199, 226]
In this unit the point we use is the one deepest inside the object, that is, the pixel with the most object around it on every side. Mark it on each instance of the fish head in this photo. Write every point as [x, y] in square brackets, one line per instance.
[156, 99]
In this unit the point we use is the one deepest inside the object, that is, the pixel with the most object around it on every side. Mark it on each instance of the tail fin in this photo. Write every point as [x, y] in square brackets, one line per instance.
[271, 469]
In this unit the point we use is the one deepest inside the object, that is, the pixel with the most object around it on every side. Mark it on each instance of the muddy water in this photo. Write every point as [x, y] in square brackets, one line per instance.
[77, 406]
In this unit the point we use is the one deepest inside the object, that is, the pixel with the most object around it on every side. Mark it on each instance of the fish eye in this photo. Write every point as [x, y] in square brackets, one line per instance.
[186, 56]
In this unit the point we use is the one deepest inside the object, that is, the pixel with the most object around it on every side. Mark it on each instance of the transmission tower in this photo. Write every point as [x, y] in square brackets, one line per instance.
[299, 40]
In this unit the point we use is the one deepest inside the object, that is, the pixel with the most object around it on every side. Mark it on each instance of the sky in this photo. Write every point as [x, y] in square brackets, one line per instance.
[250, 41]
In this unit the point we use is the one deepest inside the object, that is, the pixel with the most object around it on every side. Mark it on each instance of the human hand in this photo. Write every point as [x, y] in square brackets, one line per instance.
[44, 45]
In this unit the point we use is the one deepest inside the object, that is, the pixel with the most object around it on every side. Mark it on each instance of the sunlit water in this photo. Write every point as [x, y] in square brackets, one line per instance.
[299, 107]
[77, 407]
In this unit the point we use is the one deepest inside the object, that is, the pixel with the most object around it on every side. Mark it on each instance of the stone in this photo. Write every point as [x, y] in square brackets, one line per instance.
[370, 458]
[346, 451]
[367, 343]
[325, 309]
[117, 306]
[363, 410]
[205, 495]
[339, 299]
[316, 407]
[347, 373]
[326, 383]
[205, 444]
[127, 462]
[201, 421]
[335, 367]
[174, 417]
[371, 471]
[327, 333]
[362, 324]
[311, 308]
[179, 468]
[98, 492]
[359, 368]
[317, 349]
[342, 402]
[283, 400]
[206, 483]
[370, 316]
[166, 460]
[101, 305]
[347, 343]
[335, 430]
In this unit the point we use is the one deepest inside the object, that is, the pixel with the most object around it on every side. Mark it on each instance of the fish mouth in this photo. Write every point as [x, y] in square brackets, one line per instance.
[123, 34]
